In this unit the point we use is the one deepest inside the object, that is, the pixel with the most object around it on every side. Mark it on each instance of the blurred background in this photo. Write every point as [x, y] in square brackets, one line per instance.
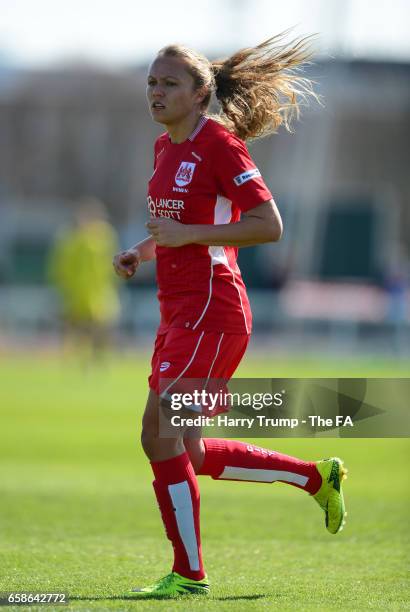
[331, 299]
[76, 145]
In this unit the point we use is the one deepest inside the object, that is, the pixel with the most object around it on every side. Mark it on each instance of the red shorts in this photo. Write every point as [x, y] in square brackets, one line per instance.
[181, 355]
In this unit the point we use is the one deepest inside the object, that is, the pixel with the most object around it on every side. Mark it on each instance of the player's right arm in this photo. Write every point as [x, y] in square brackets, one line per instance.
[126, 262]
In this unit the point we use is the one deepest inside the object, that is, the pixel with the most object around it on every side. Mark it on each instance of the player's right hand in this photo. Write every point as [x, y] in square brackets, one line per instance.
[126, 263]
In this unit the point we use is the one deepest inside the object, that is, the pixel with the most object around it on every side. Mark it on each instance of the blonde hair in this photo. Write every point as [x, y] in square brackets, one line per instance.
[257, 87]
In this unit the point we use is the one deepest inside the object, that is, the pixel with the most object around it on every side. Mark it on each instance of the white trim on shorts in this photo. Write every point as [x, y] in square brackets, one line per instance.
[164, 394]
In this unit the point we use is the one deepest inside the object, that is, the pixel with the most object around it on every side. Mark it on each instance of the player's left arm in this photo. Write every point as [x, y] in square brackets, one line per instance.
[260, 224]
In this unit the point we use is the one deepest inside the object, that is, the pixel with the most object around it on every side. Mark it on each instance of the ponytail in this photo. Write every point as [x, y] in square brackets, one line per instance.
[258, 87]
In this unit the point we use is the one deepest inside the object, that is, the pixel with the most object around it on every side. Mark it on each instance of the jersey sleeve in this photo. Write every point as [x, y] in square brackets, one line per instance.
[237, 176]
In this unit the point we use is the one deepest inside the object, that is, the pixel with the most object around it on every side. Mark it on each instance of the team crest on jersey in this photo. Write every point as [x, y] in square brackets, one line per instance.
[185, 172]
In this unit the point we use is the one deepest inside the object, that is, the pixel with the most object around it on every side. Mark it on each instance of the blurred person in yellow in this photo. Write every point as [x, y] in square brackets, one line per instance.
[79, 268]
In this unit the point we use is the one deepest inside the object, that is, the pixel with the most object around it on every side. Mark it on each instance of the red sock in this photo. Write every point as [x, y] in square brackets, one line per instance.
[177, 492]
[232, 460]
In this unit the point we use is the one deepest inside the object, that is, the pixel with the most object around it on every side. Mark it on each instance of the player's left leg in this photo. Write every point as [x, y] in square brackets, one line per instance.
[233, 460]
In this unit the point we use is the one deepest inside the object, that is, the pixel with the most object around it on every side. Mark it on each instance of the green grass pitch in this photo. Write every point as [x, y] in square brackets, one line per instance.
[77, 510]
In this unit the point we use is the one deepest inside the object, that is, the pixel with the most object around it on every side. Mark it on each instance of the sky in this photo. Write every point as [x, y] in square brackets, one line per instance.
[37, 33]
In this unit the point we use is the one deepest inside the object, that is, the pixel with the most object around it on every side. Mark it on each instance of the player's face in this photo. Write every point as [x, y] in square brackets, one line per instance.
[170, 91]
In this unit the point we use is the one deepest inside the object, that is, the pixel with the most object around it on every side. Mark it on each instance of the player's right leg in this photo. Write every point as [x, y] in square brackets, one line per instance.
[177, 494]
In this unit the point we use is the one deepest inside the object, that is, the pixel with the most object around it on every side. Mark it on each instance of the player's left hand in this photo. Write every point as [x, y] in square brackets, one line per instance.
[168, 232]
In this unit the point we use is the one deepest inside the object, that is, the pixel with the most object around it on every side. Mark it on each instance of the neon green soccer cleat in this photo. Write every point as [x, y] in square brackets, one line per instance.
[330, 495]
[170, 587]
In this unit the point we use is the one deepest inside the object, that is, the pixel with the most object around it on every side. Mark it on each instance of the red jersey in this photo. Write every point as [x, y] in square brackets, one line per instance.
[209, 178]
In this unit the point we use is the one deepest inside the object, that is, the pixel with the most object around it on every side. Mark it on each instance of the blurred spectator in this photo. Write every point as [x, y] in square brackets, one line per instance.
[396, 285]
[81, 270]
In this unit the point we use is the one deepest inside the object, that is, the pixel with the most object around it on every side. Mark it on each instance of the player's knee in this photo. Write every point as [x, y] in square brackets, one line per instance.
[196, 452]
[149, 441]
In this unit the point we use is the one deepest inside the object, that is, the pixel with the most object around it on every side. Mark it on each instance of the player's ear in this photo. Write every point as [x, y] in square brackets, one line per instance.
[200, 95]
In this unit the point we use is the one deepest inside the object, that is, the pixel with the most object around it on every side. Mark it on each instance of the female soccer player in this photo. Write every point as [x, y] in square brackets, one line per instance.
[206, 198]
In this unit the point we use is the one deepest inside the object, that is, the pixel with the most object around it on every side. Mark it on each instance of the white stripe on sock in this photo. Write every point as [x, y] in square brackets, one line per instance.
[182, 501]
[255, 475]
